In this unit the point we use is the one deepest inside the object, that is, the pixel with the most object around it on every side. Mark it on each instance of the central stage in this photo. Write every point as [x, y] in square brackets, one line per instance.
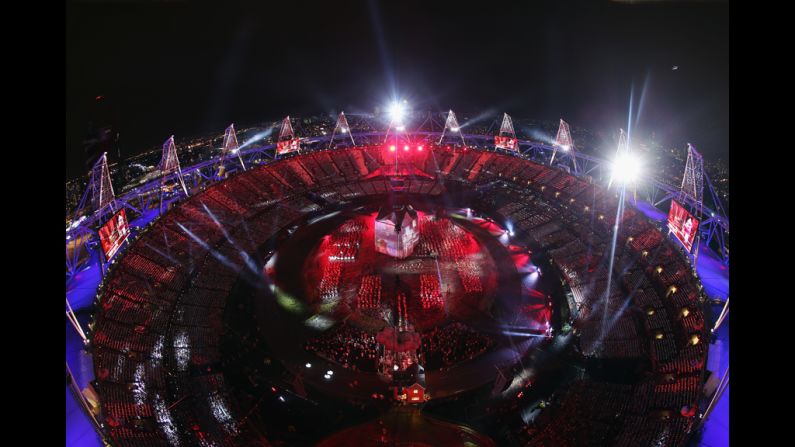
[450, 308]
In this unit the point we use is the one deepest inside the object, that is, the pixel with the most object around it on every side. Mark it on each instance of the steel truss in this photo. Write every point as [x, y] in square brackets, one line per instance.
[506, 129]
[714, 223]
[98, 201]
[230, 147]
[341, 127]
[430, 123]
[451, 124]
[169, 169]
[99, 196]
[564, 141]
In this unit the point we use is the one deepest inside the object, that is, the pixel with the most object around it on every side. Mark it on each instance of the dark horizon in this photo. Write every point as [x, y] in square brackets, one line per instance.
[186, 69]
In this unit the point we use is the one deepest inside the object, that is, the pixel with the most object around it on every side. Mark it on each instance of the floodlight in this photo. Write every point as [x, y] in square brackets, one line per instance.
[396, 111]
[626, 168]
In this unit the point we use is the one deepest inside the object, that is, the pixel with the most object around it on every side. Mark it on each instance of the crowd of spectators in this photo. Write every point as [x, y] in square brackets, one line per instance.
[347, 346]
[449, 345]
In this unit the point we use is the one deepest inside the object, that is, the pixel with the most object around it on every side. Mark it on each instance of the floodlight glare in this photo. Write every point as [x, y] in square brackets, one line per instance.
[396, 112]
[565, 147]
[626, 168]
[454, 129]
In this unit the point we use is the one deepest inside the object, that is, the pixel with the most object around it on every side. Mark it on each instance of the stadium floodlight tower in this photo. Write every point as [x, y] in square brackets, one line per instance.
[506, 139]
[691, 193]
[451, 124]
[396, 111]
[230, 147]
[341, 127]
[693, 181]
[626, 166]
[287, 141]
[96, 206]
[169, 164]
[564, 141]
[99, 196]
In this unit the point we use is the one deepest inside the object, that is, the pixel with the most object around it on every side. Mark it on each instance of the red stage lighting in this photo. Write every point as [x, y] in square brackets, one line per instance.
[406, 148]
[392, 148]
[419, 148]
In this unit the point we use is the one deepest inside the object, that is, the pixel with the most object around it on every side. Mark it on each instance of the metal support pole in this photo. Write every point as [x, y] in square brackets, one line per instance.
[70, 314]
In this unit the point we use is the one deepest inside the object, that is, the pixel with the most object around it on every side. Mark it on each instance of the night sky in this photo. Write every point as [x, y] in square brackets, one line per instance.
[177, 67]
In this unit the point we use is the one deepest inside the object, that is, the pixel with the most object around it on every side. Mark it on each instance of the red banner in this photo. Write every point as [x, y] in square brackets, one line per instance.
[506, 143]
[287, 146]
[113, 233]
[682, 224]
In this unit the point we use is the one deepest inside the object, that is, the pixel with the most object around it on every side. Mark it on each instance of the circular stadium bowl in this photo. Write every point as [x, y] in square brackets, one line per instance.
[262, 308]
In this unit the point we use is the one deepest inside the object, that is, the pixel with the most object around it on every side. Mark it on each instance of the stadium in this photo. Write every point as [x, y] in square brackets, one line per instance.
[398, 279]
